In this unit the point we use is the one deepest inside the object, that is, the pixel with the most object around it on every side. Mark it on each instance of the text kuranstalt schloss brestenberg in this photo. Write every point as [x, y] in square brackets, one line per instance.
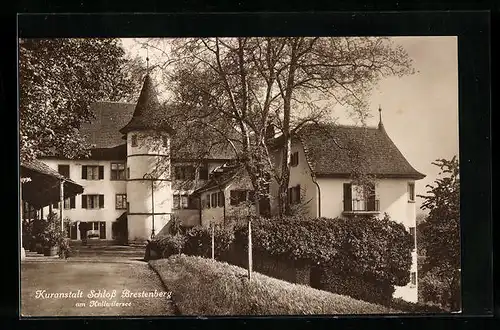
[103, 297]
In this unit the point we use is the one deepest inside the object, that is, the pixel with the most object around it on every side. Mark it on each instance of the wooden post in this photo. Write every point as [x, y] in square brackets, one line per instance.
[61, 204]
[249, 248]
[213, 238]
[152, 209]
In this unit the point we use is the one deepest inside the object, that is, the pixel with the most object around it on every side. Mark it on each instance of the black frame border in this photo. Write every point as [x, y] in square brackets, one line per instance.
[472, 29]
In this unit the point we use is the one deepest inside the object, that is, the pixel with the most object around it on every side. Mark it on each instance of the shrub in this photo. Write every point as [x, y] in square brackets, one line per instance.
[367, 255]
[433, 288]
[64, 248]
[51, 233]
[199, 241]
[167, 245]
[207, 287]
[417, 308]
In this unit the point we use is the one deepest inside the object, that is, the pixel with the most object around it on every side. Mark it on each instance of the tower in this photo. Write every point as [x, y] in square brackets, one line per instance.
[149, 187]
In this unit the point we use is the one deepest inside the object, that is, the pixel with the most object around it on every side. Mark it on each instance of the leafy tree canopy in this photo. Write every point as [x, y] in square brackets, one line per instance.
[59, 80]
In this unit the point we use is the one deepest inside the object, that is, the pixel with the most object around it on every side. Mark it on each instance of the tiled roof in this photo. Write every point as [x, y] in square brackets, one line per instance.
[146, 113]
[221, 176]
[104, 134]
[43, 188]
[179, 186]
[333, 150]
[103, 131]
[40, 167]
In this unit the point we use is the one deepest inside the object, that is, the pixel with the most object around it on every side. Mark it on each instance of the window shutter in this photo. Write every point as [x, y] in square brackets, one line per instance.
[233, 197]
[84, 172]
[101, 172]
[101, 201]
[251, 196]
[84, 201]
[72, 202]
[347, 197]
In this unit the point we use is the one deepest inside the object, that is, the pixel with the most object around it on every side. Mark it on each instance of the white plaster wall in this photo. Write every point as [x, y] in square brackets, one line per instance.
[217, 213]
[300, 174]
[393, 197]
[107, 187]
[141, 160]
[189, 217]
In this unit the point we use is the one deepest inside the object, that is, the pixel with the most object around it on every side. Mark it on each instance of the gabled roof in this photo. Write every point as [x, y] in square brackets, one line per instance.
[337, 151]
[221, 176]
[147, 111]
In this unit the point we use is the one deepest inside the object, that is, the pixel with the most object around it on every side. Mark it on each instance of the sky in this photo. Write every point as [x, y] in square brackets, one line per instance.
[419, 112]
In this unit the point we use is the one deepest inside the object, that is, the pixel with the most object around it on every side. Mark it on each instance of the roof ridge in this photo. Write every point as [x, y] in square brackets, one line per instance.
[343, 125]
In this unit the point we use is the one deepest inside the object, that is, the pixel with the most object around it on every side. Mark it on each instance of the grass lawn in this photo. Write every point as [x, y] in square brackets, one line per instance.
[207, 287]
[71, 276]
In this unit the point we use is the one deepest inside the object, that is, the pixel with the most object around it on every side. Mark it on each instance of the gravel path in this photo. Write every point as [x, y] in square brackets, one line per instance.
[121, 288]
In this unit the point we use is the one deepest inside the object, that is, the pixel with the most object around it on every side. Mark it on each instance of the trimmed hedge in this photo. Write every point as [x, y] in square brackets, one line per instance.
[364, 257]
[193, 241]
[207, 287]
[364, 246]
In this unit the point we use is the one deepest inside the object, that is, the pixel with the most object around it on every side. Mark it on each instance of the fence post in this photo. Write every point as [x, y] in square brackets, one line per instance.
[249, 248]
[213, 239]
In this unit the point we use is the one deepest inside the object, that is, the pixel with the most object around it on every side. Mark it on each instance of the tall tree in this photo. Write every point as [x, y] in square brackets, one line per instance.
[59, 80]
[239, 87]
[441, 229]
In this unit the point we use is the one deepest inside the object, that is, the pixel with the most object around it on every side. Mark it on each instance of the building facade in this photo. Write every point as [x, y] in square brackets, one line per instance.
[134, 175]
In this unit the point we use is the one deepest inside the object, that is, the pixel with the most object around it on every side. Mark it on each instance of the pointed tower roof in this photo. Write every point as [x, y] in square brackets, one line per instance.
[147, 113]
[380, 124]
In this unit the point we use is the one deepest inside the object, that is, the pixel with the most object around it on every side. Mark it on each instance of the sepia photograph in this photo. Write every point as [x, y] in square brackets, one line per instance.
[239, 176]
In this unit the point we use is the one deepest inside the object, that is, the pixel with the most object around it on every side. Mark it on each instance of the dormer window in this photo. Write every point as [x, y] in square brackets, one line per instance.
[133, 140]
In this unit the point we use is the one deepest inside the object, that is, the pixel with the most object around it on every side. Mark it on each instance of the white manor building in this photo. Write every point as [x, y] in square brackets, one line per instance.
[119, 175]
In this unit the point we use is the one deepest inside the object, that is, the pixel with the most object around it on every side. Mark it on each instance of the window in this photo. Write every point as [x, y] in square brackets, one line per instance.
[93, 172]
[117, 171]
[411, 192]
[128, 172]
[239, 196]
[69, 203]
[97, 229]
[294, 161]
[360, 198]
[63, 170]
[133, 140]
[294, 195]
[184, 201]
[203, 172]
[413, 278]
[180, 202]
[184, 172]
[121, 202]
[92, 201]
[413, 234]
[213, 199]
